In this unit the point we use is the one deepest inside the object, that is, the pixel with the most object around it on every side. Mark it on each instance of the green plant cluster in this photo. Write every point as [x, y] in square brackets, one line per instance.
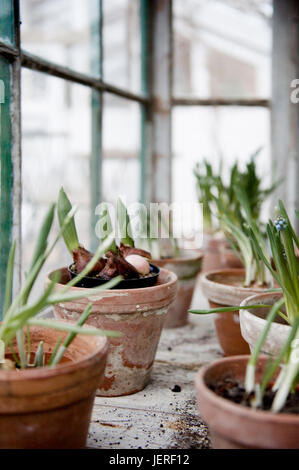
[283, 369]
[236, 206]
[19, 312]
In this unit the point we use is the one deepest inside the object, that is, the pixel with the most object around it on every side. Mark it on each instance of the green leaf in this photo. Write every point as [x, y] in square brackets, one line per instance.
[71, 336]
[39, 252]
[285, 215]
[54, 351]
[9, 278]
[124, 223]
[69, 232]
[39, 355]
[42, 241]
[235, 308]
[61, 326]
[250, 372]
[105, 228]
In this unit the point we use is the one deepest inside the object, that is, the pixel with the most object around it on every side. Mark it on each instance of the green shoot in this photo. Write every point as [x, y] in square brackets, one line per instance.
[20, 314]
[9, 278]
[124, 223]
[106, 227]
[71, 336]
[69, 231]
[39, 355]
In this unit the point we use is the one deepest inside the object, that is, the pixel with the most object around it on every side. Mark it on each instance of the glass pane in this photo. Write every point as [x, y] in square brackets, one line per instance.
[122, 43]
[62, 31]
[230, 132]
[56, 138]
[222, 48]
[7, 21]
[121, 149]
[6, 174]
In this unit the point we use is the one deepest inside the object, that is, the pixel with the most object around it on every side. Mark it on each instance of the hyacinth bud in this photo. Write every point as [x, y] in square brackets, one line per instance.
[280, 223]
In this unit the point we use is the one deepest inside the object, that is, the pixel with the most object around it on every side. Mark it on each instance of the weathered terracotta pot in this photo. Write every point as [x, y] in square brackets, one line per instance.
[228, 258]
[225, 288]
[234, 426]
[218, 254]
[186, 267]
[51, 408]
[211, 249]
[252, 323]
[139, 314]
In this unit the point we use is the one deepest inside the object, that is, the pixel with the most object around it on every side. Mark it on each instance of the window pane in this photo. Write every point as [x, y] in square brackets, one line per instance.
[230, 132]
[6, 174]
[121, 149]
[62, 31]
[121, 43]
[222, 48]
[56, 134]
[7, 21]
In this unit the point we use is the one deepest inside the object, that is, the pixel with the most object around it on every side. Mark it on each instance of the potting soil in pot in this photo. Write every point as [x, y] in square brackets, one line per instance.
[235, 392]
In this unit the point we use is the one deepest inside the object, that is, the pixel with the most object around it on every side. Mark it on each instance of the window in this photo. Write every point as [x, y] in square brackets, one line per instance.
[221, 85]
[105, 99]
[83, 65]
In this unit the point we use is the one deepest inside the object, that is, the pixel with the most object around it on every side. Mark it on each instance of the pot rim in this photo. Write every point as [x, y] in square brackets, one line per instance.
[226, 294]
[196, 256]
[170, 283]
[61, 369]
[250, 300]
[230, 407]
[227, 271]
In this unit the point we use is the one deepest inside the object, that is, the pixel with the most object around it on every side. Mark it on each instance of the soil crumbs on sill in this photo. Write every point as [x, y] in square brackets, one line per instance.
[235, 392]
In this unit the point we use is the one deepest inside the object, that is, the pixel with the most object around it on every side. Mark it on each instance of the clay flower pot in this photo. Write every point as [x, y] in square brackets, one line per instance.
[252, 323]
[51, 408]
[234, 426]
[211, 249]
[228, 258]
[218, 254]
[139, 314]
[186, 267]
[225, 288]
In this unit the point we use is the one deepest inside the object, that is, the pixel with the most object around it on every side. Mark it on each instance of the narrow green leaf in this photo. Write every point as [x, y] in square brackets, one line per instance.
[71, 336]
[69, 232]
[124, 223]
[249, 383]
[227, 309]
[9, 278]
[42, 241]
[39, 355]
[61, 326]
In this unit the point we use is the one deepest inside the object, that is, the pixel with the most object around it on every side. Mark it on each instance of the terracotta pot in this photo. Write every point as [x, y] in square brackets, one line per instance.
[228, 258]
[234, 426]
[218, 254]
[51, 408]
[225, 288]
[139, 314]
[211, 249]
[186, 268]
[252, 323]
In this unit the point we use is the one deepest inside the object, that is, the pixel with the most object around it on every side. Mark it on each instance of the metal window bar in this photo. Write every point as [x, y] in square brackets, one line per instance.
[153, 14]
[18, 59]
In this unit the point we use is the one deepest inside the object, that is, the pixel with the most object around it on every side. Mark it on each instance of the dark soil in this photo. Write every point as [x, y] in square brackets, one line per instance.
[235, 392]
[176, 389]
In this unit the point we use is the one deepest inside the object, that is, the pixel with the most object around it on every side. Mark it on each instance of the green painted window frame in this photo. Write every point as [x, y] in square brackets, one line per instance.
[6, 170]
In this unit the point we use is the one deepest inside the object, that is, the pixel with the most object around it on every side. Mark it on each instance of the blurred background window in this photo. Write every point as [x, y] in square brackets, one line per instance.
[126, 96]
[222, 54]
